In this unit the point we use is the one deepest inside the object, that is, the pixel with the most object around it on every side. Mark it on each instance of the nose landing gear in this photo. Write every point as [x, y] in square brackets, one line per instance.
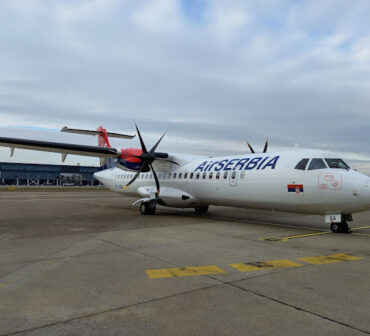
[340, 227]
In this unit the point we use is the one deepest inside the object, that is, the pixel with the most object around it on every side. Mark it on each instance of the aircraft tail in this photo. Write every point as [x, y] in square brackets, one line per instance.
[103, 140]
[102, 134]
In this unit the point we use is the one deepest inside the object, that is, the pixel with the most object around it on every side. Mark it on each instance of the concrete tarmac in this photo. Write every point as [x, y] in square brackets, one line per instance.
[87, 263]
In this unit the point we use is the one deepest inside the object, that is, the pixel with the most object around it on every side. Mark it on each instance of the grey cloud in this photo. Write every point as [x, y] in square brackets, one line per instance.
[289, 73]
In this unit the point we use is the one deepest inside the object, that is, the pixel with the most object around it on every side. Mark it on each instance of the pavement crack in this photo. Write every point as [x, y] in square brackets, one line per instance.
[300, 309]
[233, 284]
[111, 310]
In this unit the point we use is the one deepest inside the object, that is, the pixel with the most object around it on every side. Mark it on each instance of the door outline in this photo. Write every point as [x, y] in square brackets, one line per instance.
[233, 179]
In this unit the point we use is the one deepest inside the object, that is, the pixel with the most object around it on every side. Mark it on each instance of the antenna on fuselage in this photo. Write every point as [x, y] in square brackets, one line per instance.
[264, 148]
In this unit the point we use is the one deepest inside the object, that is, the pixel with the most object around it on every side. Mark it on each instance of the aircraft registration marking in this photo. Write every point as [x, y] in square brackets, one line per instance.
[263, 265]
[327, 259]
[183, 271]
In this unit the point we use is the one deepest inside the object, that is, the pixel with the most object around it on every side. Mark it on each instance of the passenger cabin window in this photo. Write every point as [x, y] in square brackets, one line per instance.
[210, 175]
[317, 164]
[180, 174]
[242, 174]
[197, 176]
[185, 175]
[191, 175]
[337, 163]
[301, 165]
[174, 175]
[225, 174]
[204, 175]
[218, 175]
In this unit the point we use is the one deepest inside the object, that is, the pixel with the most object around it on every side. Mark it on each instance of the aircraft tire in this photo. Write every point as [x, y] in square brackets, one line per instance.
[144, 208]
[201, 210]
[339, 227]
[151, 207]
[148, 208]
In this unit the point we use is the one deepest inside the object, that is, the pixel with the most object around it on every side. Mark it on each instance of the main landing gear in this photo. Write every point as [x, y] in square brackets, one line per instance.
[340, 227]
[148, 208]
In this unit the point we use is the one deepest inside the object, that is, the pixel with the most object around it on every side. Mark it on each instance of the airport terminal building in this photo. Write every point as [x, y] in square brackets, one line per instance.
[46, 174]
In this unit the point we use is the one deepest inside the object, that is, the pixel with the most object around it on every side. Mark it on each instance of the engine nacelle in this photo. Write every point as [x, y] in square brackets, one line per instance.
[128, 161]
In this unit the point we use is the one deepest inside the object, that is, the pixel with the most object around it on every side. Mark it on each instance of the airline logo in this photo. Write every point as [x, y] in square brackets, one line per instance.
[330, 181]
[295, 188]
[239, 164]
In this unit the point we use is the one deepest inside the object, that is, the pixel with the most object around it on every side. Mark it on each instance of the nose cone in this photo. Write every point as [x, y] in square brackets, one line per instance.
[98, 176]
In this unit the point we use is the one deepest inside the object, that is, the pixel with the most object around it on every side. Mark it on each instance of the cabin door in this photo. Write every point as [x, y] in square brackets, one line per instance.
[233, 179]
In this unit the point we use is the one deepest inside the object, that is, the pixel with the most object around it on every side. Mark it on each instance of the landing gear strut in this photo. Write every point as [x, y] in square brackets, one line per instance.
[340, 227]
[148, 208]
[201, 210]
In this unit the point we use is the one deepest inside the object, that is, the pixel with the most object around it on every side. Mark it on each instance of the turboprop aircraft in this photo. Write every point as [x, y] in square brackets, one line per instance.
[301, 181]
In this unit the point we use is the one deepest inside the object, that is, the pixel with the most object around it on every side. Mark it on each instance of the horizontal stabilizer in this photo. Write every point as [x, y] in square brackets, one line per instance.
[89, 132]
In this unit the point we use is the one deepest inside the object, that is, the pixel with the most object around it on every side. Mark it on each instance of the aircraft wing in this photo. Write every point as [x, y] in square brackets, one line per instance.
[57, 147]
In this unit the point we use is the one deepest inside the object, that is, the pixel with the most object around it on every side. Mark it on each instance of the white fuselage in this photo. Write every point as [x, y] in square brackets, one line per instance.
[262, 181]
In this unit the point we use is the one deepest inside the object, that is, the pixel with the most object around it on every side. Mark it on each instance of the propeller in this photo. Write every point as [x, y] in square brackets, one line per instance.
[147, 158]
[264, 148]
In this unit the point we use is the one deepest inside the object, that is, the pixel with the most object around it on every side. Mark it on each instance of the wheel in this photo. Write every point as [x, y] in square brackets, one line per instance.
[201, 210]
[151, 207]
[144, 208]
[335, 227]
[148, 208]
[339, 227]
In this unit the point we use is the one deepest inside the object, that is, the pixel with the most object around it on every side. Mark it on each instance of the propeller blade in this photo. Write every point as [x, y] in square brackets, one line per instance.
[156, 181]
[167, 160]
[250, 147]
[266, 145]
[156, 145]
[141, 140]
[134, 178]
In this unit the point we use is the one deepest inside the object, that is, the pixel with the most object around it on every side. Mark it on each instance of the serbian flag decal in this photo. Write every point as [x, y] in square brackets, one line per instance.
[295, 188]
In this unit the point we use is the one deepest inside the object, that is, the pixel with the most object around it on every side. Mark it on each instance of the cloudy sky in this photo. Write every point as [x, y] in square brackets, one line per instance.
[211, 73]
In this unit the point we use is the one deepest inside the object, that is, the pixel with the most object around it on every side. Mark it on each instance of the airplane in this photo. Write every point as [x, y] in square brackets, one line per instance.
[301, 181]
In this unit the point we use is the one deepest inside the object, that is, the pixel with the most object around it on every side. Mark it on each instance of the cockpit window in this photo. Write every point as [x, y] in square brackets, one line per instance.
[301, 165]
[337, 163]
[317, 164]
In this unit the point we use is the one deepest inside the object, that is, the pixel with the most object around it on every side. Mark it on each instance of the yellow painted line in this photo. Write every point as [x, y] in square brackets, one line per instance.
[262, 265]
[286, 238]
[183, 271]
[327, 259]
[360, 228]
